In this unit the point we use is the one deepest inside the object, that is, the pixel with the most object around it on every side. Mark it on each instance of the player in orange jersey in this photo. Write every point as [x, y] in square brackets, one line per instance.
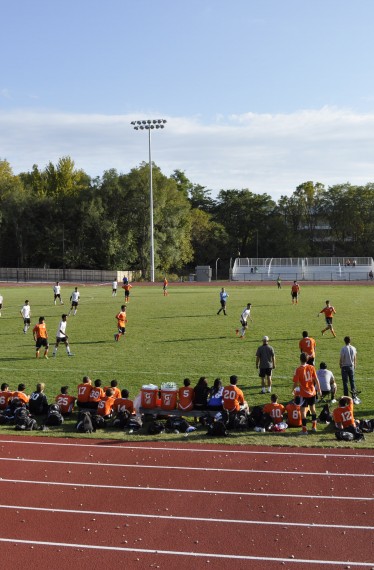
[293, 411]
[105, 406]
[186, 396]
[123, 403]
[121, 323]
[329, 312]
[165, 287]
[233, 398]
[308, 345]
[114, 387]
[5, 395]
[20, 393]
[274, 409]
[96, 394]
[84, 391]
[65, 402]
[306, 379]
[127, 288]
[295, 291]
[41, 337]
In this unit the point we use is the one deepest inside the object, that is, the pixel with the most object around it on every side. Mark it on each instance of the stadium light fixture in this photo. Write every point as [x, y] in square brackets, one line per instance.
[148, 125]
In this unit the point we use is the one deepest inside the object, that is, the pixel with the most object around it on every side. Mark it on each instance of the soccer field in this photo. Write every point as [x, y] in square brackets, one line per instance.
[170, 338]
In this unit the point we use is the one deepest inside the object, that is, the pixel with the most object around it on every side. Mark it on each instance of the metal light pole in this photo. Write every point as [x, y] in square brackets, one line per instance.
[148, 125]
[217, 260]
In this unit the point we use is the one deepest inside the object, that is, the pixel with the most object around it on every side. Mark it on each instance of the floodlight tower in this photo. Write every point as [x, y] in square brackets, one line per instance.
[148, 125]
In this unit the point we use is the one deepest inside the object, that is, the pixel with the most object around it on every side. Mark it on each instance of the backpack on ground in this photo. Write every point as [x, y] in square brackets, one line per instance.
[351, 433]
[177, 424]
[155, 427]
[84, 423]
[54, 416]
[98, 421]
[257, 418]
[217, 429]
[367, 426]
[325, 415]
[133, 424]
[121, 419]
[23, 421]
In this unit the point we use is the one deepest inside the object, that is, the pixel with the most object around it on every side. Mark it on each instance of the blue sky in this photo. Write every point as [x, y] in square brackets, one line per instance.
[258, 94]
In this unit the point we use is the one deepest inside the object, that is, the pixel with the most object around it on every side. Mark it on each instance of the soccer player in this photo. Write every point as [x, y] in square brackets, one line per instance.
[306, 379]
[38, 403]
[274, 409]
[41, 337]
[96, 394]
[5, 395]
[244, 317]
[329, 312]
[65, 401]
[327, 382]
[61, 336]
[114, 288]
[127, 288]
[20, 393]
[265, 361]
[26, 315]
[1, 303]
[105, 406]
[74, 298]
[223, 300]
[123, 403]
[121, 323]
[232, 397]
[114, 387]
[186, 396]
[343, 415]
[308, 345]
[293, 411]
[295, 291]
[279, 282]
[165, 287]
[57, 293]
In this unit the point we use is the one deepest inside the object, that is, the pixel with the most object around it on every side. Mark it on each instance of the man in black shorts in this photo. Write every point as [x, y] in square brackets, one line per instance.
[265, 361]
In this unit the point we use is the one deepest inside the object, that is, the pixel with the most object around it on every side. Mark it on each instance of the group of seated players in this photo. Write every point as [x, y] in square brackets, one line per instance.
[109, 401]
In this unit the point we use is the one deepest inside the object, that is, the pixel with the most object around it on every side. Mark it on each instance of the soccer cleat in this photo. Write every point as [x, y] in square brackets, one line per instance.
[70, 354]
[333, 401]
[303, 433]
[237, 332]
[269, 390]
[116, 337]
[356, 400]
[314, 430]
[46, 357]
[323, 332]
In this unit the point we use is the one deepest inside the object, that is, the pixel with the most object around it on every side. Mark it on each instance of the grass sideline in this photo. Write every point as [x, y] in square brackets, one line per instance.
[178, 336]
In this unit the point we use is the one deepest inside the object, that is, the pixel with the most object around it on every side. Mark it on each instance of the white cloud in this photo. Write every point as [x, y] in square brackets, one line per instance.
[262, 152]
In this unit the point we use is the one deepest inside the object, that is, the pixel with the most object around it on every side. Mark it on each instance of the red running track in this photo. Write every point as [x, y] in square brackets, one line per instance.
[91, 503]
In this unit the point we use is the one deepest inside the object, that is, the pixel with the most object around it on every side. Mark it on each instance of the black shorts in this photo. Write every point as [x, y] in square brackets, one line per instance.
[294, 294]
[308, 402]
[244, 324]
[265, 372]
[328, 320]
[57, 296]
[122, 330]
[26, 321]
[74, 303]
[61, 339]
[326, 392]
[41, 342]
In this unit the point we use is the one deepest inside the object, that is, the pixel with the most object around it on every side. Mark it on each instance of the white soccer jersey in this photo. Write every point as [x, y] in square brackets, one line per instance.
[61, 331]
[245, 315]
[26, 311]
[325, 376]
[75, 296]
[114, 284]
[57, 290]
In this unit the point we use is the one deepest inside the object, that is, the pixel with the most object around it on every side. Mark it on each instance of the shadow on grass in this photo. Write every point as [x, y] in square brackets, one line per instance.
[193, 339]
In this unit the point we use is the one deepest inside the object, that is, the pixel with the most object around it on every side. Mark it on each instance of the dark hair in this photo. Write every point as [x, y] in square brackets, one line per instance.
[216, 386]
[4, 385]
[21, 387]
[186, 382]
[41, 319]
[202, 382]
[114, 383]
[86, 379]
[125, 393]
[233, 379]
[303, 357]
[274, 397]
[347, 339]
[64, 389]
[123, 307]
[98, 383]
[323, 365]
[343, 401]
[305, 334]
[297, 400]
[109, 392]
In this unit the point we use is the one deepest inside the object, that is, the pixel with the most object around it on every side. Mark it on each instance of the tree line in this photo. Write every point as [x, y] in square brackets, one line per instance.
[61, 217]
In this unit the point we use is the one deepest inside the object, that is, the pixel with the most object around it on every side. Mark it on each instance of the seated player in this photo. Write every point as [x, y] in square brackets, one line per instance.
[186, 395]
[114, 386]
[327, 382]
[84, 391]
[123, 403]
[233, 398]
[20, 393]
[96, 394]
[5, 396]
[105, 406]
[215, 395]
[65, 402]
[201, 393]
[294, 413]
[38, 403]
[274, 409]
[343, 415]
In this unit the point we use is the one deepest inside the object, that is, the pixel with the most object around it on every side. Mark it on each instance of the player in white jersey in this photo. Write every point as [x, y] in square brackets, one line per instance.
[244, 318]
[74, 298]
[327, 382]
[26, 315]
[61, 336]
[114, 288]
[57, 293]
[1, 303]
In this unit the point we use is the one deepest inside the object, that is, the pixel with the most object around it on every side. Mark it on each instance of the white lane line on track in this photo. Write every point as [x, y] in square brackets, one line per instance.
[188, 519]
[192, 554]
[219, 450]
[185, 468]
[201, 491]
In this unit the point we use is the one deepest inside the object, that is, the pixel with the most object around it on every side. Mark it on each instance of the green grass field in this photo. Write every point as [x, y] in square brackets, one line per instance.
[170, 338]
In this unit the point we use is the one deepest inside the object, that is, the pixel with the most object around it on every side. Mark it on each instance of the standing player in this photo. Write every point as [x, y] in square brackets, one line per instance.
[74, 298]
[279, 282]
[295, 291]
[308, 345]
[329, 312]
[26, 315]
[114, 288]
[306, 379]
[244, 317]
[57, 293]
[121, 323]
[165, 287]
[127, 288]
[41, 337]
[61, 336]
[223, 300]
[1, 303]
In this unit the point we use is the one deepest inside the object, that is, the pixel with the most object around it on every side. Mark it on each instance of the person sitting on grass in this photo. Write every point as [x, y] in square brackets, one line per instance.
[114, 386]
[20, 393]
[294, 413]
[5, 395]
[38, 403]
[84, 391]
[65, 401]
[274, 409]
[105, 406]
[96, 394]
